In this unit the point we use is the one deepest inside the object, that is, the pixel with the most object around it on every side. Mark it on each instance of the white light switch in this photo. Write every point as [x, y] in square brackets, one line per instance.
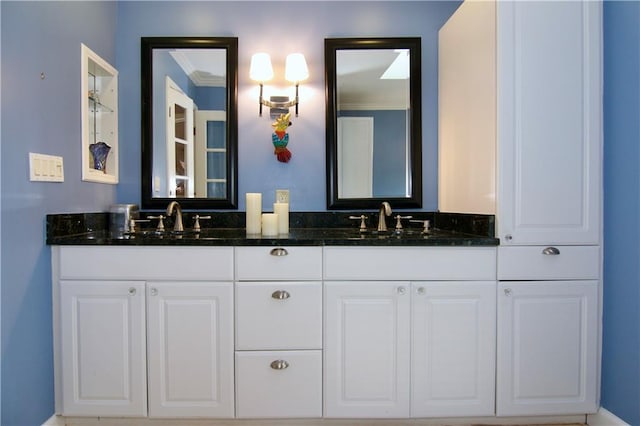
[45, 168]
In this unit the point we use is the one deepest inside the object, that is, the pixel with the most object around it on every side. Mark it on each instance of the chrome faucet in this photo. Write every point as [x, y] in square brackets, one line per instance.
[178, 222]
[385, 210]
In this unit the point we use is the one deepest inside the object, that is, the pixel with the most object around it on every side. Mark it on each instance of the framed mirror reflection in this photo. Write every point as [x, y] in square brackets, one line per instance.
[374, 136]
[189, 122]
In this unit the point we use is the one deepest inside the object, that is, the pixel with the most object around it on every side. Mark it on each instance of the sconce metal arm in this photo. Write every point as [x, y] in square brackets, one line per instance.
[273, 104]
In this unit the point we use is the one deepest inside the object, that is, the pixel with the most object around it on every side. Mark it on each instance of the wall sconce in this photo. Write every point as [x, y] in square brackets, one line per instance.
[295, 71]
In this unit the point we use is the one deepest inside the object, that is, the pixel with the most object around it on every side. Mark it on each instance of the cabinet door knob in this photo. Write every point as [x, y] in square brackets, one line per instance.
[552, 251]
[279, 251]
[401, 290]
[508, 237]
[154, 291]
[279, 364]
[132, 291]
[280, 294]
[507, 292]
[421, 290]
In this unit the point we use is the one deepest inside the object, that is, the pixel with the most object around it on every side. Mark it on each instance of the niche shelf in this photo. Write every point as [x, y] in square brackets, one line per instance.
[99, 100]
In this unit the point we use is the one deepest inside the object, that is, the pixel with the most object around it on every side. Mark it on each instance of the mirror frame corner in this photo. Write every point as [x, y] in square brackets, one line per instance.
[146, 65]
[331, 46]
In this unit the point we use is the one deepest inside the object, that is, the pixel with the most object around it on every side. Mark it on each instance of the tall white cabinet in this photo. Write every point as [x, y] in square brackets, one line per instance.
[520, 136]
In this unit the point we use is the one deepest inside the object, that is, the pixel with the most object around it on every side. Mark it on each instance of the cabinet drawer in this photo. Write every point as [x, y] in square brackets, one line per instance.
[285, 315]
[410, 263]
[293, 389]
[278, 263]
[531, 263]
[146, 263]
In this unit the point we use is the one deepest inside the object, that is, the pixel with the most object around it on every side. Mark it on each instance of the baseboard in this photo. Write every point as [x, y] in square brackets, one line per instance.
[605, 417]
[466, 421]
[54, 421]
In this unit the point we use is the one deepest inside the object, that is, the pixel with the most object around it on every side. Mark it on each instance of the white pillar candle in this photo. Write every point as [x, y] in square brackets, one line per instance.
[269, 225]
[282, 209]
[254, 210]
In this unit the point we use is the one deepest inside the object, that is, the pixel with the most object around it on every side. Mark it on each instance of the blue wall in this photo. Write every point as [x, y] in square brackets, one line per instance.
[305, 26]
[621, 331]
[40, 115]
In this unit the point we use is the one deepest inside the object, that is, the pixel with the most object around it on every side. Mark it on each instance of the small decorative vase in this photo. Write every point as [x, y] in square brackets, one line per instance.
[100, 151]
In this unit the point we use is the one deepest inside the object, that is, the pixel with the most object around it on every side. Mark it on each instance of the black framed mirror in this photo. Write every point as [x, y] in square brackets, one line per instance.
[189, 122]
[373, 122]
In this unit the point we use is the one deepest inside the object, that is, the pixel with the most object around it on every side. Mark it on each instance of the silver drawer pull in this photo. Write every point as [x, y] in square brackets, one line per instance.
[279, 251]
[551, 251]
[279, 364]
[280, 294]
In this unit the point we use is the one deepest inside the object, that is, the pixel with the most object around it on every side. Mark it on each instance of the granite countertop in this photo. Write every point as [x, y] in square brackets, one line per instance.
[307, 229]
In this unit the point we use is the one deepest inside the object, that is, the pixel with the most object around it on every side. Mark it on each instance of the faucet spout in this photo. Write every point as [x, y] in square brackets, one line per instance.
[385, 210]
[178, 222]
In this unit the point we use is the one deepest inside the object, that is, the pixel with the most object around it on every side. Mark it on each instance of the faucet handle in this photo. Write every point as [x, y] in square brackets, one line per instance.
[160, 218]
[363, 224]
[196, 224]
[399, 222]
[132, 225]
[425, 225]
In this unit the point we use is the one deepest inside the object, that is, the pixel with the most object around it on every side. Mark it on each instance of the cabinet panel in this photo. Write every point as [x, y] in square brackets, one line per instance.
[292, 387]
[290, 315]
[547, 347]
[531, 262]
[549, 122]
[190, 341]
[146, 263]
[366, 349]
[410, 263]
[103, 351]
[453, 349]
[279, 263]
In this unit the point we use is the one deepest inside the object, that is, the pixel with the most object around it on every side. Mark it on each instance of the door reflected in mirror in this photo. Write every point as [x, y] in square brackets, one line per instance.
[189, 121]
[373, 122]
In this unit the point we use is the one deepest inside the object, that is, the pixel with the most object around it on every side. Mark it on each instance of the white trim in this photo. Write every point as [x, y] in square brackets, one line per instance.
[605, 417]
[55, 420]
[120, 421]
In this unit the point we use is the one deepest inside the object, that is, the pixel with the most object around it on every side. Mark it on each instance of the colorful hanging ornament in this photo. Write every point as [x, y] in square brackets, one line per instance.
[280, 138]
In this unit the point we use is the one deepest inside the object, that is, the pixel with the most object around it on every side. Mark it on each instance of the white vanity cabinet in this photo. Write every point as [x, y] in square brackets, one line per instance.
[422, 345]
[548, 314]
[278, 308]
[189, 349]
[101, 367]
[128, 319]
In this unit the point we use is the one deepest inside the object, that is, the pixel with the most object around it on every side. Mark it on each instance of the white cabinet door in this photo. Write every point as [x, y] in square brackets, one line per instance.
[549, 122]
[453, 349]
[102, 329]
[547, 347]
[366, 353]
[190, 346]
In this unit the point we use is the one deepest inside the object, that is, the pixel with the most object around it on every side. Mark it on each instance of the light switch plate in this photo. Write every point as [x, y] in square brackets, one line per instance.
[282, 195]
[45, 168]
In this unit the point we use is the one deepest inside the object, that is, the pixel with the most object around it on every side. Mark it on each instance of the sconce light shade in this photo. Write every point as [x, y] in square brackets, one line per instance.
[296, 68]
[261, 69]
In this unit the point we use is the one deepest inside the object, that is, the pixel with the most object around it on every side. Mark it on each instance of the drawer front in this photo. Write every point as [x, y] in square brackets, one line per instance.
[410, 263]
[278, 263]
[272, 315]
[146, 263]
[559, 262]
[279, 384]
